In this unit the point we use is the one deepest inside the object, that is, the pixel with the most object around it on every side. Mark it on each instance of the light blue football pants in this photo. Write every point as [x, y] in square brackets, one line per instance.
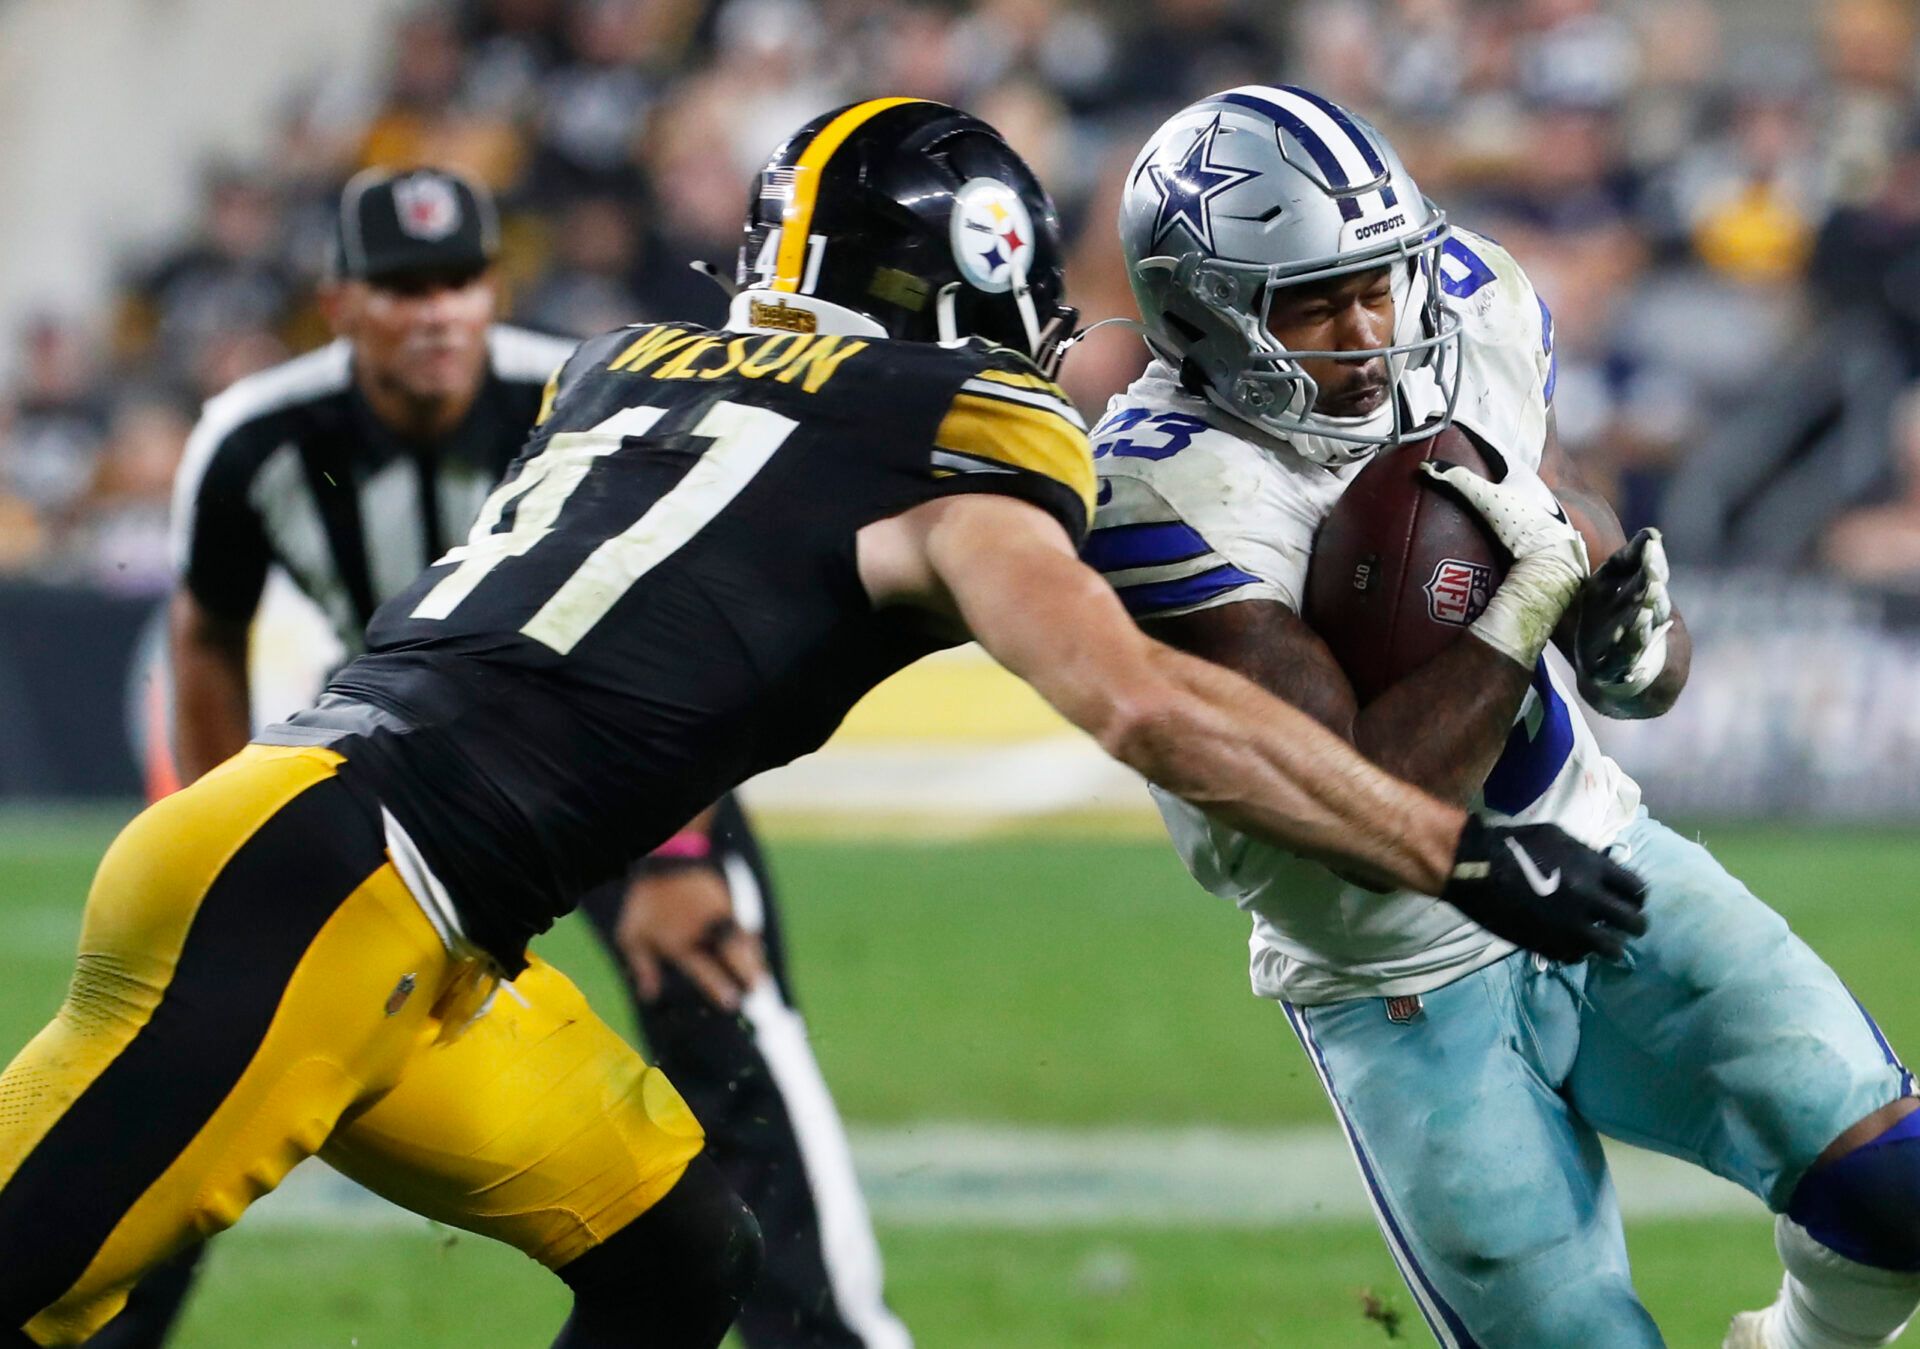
[1722, 1040]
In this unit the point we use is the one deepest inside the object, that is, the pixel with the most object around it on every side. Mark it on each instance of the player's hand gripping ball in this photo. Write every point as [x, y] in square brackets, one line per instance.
[1624, 615]
[1429, 540]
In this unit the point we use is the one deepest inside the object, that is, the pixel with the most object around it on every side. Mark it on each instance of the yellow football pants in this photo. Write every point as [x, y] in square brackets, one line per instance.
[256, 985]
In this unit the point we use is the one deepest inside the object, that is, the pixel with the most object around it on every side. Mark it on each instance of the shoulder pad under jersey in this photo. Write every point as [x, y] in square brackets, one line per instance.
[1507, 361]
[1191, 516]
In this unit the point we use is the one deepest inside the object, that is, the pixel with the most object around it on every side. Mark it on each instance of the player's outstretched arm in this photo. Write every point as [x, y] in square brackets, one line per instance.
[1626, 640]
[212, 710]
[1009, 573]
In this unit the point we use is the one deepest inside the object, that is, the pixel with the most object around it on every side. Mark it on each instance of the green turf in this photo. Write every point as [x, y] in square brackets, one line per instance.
[1028, 981]
[1304, 1288]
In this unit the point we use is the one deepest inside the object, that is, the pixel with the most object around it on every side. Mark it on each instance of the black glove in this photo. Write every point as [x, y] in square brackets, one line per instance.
[1534, 885]
[1624, 612]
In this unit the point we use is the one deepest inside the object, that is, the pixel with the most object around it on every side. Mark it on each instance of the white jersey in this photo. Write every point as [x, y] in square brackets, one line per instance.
[1192, 515]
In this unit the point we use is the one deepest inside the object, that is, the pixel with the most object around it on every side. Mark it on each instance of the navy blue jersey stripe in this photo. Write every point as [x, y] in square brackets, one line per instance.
[1321, 153]
[1121, 547]
[1197, 589]
[1546, 343]
[1886, 1048]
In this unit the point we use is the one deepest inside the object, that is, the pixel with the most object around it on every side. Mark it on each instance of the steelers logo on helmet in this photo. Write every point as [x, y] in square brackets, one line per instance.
[992, 232]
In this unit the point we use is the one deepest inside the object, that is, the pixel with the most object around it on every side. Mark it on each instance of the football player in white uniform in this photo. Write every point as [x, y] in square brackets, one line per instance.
[1306, 306]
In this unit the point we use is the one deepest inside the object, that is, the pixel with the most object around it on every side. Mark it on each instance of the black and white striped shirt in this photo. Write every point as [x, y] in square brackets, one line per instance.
[291, 467]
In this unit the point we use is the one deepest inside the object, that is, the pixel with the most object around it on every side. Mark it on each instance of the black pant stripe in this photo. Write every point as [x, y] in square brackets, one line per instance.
[253, 926]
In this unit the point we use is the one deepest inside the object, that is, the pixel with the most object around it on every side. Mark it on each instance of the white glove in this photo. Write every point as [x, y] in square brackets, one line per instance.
[1620, 640]
[1549, 558]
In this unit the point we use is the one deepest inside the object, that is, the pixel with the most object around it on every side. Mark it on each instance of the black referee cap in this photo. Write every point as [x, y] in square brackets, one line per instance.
[423, 220]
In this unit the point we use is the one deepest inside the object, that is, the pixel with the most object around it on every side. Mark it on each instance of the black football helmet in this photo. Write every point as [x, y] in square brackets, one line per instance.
[916, 216]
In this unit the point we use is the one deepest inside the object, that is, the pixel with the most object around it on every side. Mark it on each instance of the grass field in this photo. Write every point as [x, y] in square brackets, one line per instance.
[1031, 982]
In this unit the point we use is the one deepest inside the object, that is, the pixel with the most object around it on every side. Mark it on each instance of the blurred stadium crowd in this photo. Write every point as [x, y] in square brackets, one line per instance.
[1728, 231]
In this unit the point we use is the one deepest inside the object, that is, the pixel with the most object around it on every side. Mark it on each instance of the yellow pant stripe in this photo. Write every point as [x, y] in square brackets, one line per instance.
[796, 221]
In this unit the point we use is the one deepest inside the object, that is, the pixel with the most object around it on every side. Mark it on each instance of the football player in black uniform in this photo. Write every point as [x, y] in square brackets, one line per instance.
[713, 545]
[355, 466]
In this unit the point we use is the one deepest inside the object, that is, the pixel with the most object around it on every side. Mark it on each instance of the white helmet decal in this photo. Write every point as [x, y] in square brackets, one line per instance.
[992, 235]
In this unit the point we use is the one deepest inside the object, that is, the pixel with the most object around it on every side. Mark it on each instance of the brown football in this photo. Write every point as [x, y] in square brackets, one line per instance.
[1400, 566]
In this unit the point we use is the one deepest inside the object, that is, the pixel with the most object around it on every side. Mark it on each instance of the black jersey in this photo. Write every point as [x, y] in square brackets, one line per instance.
[662, 598]
[291, 466]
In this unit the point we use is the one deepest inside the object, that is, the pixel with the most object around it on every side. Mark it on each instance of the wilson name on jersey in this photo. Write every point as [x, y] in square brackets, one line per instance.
[1194, 515]
[662, 597]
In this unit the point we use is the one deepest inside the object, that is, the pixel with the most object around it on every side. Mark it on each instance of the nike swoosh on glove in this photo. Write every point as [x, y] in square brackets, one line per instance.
[1543, 890]
[1624, 615]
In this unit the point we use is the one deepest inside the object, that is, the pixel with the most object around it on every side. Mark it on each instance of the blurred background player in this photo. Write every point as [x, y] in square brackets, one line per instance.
[353, 468]
[1306, 306]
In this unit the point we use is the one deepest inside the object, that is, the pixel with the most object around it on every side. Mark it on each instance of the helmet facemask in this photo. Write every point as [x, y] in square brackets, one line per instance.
[1266, 385]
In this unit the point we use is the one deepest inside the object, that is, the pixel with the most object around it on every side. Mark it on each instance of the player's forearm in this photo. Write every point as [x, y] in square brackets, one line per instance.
[1269, 770]
[1444, 726]
[212, 710]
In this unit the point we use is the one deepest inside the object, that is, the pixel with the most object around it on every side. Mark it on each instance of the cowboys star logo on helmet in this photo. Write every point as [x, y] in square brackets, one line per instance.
[1186, 189]
[427, 206]
[992, 234]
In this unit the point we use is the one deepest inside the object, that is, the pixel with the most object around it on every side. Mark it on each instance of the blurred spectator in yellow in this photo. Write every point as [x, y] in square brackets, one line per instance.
[425, 120]
[1880, 545]
[1752, 198]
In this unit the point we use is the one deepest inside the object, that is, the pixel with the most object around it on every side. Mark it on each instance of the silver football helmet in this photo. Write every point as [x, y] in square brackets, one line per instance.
[1260, 188]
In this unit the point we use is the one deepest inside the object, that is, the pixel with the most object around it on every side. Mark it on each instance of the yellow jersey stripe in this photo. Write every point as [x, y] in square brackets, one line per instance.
[1028, 397]
[547, 395]
[1022, 437]
[1021, 381]
[796, 221]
